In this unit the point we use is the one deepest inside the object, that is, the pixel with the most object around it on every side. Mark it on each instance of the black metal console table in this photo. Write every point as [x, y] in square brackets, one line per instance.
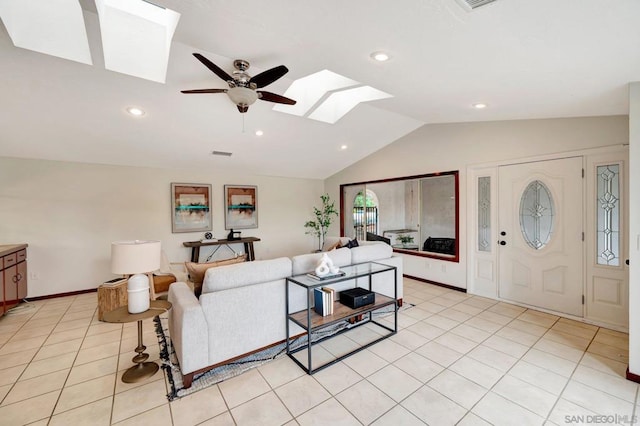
[312, 321]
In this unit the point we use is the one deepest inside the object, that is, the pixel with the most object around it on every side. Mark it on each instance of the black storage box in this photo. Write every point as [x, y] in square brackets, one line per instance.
[357, 297]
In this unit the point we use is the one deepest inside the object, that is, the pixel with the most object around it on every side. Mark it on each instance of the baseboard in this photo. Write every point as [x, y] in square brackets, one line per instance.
[450, 287]
[54, 296]
[632, 377]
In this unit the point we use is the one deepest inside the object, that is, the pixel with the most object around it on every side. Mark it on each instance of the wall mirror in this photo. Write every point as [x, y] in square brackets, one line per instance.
[416, 215]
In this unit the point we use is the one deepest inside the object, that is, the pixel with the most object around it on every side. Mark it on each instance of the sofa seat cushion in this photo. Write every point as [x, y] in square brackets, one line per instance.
[244, 274]
[371, 252]
[305, 263]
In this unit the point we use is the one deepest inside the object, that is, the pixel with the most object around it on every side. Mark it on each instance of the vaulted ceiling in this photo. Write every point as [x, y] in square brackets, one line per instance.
[524, 59]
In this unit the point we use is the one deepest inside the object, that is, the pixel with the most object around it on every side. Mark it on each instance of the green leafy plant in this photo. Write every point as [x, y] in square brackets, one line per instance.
[404, 238]
[324, 217]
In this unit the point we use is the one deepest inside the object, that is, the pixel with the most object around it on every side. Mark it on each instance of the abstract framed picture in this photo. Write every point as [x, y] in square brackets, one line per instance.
[240, 207]
[190, 207]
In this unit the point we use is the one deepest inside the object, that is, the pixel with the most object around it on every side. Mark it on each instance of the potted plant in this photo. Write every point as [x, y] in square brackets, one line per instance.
[404, 239]
[324, 217]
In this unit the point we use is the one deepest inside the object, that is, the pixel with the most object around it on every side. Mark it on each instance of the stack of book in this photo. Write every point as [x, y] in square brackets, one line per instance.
[323, 299]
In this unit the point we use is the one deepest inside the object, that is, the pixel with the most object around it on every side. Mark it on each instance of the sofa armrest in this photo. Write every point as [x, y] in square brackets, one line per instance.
[188, 328]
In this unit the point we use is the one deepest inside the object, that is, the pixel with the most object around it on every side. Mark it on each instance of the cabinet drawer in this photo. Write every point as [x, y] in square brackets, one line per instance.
[22, 255]
[10, 259]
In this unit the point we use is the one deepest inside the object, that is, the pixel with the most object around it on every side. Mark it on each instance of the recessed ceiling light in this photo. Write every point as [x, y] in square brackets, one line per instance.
[137, 112]
[380, 56]
[259, 133]
[343, 147]
[479, 105]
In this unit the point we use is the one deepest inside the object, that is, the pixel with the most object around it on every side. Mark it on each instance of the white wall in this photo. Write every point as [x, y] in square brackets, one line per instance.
[69, 213]
[444, 147]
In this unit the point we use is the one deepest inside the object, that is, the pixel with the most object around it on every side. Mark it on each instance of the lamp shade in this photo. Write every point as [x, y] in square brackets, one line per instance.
[135, 257]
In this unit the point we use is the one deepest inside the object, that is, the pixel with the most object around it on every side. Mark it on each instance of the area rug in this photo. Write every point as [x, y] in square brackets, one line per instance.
[169, 361]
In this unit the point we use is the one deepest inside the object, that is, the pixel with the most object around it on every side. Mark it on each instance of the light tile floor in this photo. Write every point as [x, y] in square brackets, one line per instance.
[457, 359]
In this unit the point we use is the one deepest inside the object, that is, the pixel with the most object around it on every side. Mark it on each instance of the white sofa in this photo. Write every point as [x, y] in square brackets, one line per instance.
[242, 306]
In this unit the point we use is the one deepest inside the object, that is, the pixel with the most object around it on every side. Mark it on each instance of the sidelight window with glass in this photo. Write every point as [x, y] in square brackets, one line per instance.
[608, 214]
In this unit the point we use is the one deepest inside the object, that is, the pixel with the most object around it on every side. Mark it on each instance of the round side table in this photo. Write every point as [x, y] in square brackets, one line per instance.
[142, 369]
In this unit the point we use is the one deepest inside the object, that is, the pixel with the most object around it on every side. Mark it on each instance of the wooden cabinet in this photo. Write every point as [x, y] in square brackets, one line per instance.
[13, 275]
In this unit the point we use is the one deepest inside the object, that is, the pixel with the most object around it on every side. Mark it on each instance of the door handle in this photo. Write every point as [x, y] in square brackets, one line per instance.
[502, 243]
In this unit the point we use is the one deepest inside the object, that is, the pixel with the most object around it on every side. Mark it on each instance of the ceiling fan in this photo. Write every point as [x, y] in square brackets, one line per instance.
[242, 87]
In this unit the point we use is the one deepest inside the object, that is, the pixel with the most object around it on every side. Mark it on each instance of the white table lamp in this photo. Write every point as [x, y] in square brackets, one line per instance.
[137, 258]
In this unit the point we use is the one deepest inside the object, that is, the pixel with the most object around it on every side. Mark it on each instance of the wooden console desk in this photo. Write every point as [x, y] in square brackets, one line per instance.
[247, 241]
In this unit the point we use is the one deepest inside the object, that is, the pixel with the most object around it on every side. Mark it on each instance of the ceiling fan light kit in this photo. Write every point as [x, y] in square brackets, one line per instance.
[242, 87]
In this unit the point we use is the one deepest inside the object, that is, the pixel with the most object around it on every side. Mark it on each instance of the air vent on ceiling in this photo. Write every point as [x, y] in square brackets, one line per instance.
[473, 4]
[222, 153]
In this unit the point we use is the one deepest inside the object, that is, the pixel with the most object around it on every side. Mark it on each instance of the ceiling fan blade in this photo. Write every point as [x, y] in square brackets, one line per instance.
[269, 76]
[213, 67]
[243, 108]
[205, 91]
[272, 97]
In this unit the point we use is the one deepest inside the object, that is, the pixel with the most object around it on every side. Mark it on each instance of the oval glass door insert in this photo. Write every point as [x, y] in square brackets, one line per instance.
[536, 215]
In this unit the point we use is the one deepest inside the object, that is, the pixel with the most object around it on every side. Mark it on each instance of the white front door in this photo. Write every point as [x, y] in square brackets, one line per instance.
[540, 226]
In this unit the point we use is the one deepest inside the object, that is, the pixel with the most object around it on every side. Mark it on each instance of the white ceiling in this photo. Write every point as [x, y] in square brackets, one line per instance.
[525, 59]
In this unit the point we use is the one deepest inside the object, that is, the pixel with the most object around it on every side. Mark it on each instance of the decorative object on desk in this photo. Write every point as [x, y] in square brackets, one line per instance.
[357, 297]
[324, 217]
[240, 207]
[190, 207]
[137, 258]
[208, 237]
[326, 266]
[233, 235]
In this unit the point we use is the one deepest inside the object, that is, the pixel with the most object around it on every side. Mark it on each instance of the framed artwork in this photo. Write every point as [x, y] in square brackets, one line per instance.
[240, 207]
[190, 207]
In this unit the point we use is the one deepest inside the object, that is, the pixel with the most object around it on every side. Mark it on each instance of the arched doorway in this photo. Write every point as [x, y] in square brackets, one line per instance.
[365, 214]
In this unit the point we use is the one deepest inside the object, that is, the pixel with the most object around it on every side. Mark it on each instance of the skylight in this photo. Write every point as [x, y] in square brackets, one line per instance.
[52, 27]
[136, 37]
[340, 103]
[327, 96]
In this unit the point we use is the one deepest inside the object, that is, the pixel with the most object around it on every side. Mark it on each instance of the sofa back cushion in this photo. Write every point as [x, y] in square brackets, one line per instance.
[305, 263]
[244, 274]
[371, 252]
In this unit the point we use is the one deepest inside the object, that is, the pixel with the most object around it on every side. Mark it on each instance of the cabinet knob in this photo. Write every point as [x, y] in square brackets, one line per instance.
[502, 243]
